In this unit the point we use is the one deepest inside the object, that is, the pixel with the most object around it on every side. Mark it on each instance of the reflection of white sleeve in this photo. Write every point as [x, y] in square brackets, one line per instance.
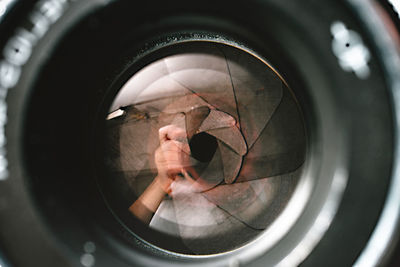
[164, 219]
[195, 219]
[245, 208]
[185, 210]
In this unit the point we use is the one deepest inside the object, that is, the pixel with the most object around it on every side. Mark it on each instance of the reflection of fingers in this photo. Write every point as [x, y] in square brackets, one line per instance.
[187, 176]
[176, 147]
[163, 134]
[171, 132]
[183, 147]
[173, 172]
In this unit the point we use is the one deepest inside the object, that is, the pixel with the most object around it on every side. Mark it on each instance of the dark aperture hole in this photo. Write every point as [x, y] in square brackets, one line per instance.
[203, 146]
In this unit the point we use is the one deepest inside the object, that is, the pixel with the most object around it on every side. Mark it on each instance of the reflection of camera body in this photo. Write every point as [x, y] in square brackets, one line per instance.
[63, 63]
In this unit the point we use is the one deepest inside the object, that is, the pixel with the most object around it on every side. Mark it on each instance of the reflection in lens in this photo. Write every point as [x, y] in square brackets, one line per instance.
[204, 147]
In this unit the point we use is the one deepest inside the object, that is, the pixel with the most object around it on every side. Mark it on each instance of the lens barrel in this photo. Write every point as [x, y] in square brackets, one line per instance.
[292, 104]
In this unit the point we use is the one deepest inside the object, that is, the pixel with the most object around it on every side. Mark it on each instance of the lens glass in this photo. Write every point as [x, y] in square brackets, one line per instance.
[203, 149]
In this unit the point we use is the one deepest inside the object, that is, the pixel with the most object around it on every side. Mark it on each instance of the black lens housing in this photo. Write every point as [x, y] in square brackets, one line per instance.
[51, 204]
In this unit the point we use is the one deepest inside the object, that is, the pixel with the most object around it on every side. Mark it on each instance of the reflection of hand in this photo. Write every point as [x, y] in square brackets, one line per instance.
[172, 157]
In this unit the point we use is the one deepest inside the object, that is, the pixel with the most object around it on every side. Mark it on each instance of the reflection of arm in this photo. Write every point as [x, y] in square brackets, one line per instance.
[171, 158]
[147, 204]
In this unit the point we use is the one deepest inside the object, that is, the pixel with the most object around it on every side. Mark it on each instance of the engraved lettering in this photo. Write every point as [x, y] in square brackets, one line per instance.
[349, 48]
[9, 74]
[16, 53]
[18, 50]
[40, 24]
[52, 9]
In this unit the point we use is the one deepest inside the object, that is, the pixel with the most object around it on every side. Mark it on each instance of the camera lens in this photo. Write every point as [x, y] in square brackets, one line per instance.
[212, 134]
[227, 126]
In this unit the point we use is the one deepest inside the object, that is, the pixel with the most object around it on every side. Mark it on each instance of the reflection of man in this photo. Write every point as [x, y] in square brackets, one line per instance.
[212, 205]
[172, 159]
[250, 115]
